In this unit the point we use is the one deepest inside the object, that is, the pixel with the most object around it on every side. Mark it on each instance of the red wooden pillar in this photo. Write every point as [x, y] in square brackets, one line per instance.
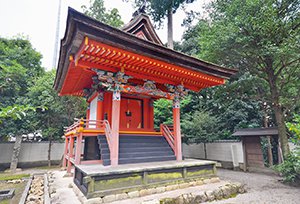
[78, 148]
[71, 148]
[79, 142]
[66, 151]
[177, 131]
[88, 112]
[115, 120]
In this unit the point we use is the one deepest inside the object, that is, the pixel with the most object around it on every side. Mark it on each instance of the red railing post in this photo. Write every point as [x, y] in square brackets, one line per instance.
[79, 141]
[66, 151]
[71, 148]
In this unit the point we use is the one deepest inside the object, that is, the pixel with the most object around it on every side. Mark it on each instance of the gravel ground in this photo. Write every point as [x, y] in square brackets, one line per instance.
[261, 188]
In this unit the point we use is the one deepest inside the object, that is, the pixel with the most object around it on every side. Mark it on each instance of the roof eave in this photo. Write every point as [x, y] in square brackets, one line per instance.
[79, 25]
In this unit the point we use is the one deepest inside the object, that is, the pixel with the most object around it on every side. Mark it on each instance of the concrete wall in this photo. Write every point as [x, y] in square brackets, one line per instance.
[217, 151]
[32, 154]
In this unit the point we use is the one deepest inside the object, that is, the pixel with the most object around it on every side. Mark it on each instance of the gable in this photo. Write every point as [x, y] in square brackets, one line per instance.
[142, 27]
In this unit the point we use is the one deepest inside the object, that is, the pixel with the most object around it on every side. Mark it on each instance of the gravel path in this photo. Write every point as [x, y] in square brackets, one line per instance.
[64, 193]
[261, 188]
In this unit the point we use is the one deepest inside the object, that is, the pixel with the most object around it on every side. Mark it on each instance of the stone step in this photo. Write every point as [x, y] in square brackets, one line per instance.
[145, 149]
[134, 145]
[145, 159]
[144, 154]
[137, 149]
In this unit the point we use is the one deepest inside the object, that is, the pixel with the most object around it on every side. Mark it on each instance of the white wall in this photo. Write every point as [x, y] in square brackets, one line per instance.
[31, 152]
[93, 111]
[217, 151]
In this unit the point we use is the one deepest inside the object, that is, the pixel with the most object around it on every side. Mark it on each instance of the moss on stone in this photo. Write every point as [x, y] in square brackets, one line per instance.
[118, 182]
[199, 173]
[164, 176]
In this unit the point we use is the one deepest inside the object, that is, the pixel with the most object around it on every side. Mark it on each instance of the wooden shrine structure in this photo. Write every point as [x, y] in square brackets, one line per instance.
[252, 148]
[121, 72]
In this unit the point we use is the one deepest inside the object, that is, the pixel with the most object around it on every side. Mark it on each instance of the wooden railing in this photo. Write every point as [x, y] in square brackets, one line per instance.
[167, 132]
[80, 125]
[108, 135]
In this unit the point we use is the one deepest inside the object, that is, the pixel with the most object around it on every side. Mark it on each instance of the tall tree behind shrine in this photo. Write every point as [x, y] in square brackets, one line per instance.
[261, 38]
[97, 11]
[160, 9]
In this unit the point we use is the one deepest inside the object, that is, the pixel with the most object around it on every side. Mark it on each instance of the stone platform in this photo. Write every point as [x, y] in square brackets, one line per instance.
[97, 180]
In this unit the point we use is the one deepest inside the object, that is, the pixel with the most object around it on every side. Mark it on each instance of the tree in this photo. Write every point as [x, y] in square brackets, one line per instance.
[97, 11]
[189, 44]
[57, 115]
[163, 110]
[261, 37]
[20, 65]
[200, 127]
[18, 114]
[159, 10]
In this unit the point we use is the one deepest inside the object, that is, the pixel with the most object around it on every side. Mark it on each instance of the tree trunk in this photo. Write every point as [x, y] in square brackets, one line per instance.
[282, 131]
[170, 29]
[279, 116]
[49, 151]
[16, 153]
[266, 125]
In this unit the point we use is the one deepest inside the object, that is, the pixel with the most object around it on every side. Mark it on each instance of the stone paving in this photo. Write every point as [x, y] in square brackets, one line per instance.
[61, 191]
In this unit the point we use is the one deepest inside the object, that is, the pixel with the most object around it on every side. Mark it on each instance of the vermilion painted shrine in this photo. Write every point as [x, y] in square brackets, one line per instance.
[121, 72]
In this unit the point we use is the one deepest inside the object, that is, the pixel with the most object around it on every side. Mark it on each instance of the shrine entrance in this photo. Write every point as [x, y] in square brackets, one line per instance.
[131, 114]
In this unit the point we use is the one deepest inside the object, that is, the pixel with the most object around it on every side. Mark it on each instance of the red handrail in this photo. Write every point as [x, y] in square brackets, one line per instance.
[92, 125]
[108, 136]
[165, 129]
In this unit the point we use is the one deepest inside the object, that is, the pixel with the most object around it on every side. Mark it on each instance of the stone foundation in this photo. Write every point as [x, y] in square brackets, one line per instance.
[148, 191]
[223, 192]
[145, 180]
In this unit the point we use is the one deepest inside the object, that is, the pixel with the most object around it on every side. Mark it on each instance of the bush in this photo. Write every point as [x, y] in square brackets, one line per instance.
[290, 168]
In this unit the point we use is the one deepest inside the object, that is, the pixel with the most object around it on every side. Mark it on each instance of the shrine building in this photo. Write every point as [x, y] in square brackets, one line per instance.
[121, 72]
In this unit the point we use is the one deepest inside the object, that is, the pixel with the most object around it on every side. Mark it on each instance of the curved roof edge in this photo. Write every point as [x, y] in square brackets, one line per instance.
[80, 25]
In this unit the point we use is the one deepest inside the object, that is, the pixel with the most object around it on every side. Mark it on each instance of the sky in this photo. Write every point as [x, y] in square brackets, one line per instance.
[37, 19]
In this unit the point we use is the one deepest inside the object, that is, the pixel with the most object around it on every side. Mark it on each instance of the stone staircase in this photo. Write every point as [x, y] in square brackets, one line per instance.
[138, 149]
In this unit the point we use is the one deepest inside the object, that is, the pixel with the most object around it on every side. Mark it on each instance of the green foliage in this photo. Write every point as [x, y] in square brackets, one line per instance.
[261, 39]
[294, 127]
[158, 9]
[16, 112]
[20, 66]
[163, 111]
[200, 127]
[190, 38]
[290, 168]
[28, 102]
[97, 11]
[60, 111]
[7, 177]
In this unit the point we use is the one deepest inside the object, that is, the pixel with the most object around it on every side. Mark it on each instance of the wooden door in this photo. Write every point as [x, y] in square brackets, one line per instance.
[254, 155]
[131, 114]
